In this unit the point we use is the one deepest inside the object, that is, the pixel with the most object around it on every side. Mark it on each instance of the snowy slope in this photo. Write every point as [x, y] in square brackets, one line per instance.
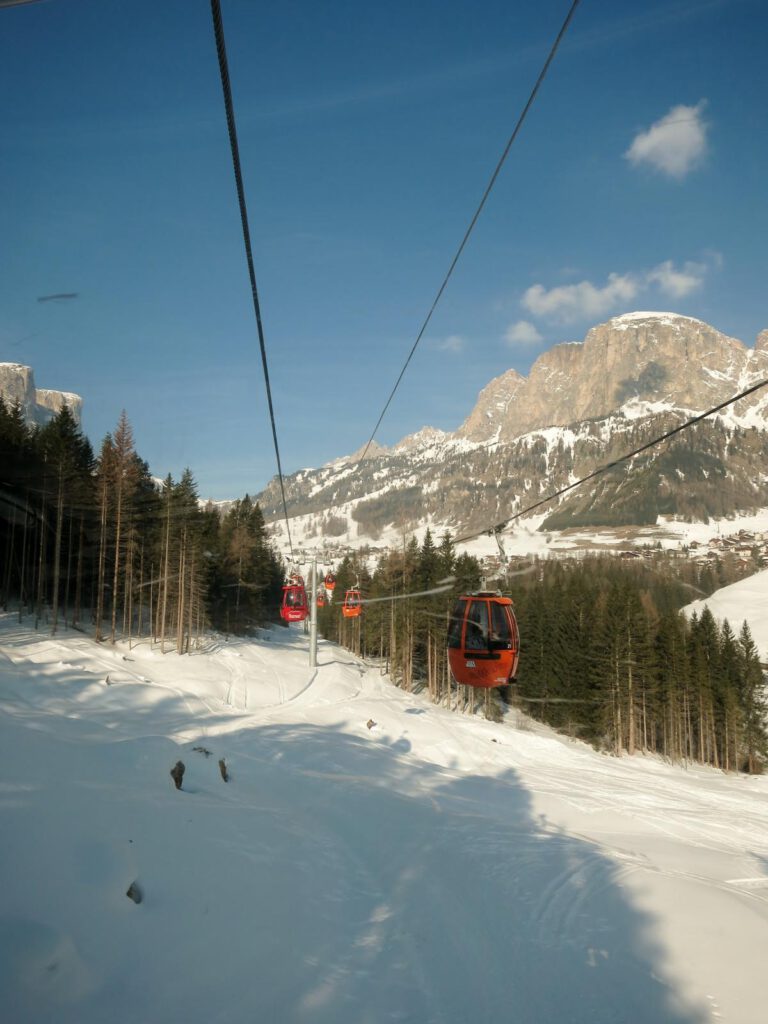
[747, 599]
[432, 868]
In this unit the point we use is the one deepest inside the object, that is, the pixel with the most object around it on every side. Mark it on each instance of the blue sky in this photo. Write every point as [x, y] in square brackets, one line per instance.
[367, 134]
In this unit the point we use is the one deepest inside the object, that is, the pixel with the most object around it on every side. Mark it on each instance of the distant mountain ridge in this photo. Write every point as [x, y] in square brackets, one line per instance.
[582, 404]
[656, 357]
[38, 405]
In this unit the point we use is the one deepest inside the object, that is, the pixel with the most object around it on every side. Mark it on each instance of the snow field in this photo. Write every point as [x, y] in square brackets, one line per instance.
[746, 599]
[432, 868]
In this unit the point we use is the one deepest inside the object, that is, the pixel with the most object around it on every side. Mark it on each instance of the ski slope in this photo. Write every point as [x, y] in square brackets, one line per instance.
[433, 868]
[745, 600]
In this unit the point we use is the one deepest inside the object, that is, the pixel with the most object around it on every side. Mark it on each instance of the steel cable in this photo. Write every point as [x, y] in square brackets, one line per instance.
[218, 28]
[478, 211]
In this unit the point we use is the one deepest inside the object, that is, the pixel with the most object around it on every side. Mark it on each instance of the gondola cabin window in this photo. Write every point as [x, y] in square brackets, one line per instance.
[483, 640]
[476, 637]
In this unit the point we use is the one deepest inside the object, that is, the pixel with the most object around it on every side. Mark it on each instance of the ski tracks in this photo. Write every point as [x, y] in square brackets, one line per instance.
[570, 903]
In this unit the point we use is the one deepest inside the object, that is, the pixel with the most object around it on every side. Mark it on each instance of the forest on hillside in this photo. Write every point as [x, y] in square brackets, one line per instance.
[91, 542]
[606, 654]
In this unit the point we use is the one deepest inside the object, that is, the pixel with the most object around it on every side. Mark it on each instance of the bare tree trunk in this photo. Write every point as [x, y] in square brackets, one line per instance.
[23, 572]
[104, 498]
[68, 579]
[630, 699]
[118, 538]
[79, 571]
[128, 598]
[10, 543]
[57, 550]
[618, 745]
[140, 625]
[152, 624]
[190, 619]
[165, 571]
[40, 568]
[182, 594]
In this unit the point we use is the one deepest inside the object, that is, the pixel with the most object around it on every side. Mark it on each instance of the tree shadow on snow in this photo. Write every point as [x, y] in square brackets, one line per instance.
[414, 893]
[336, 881]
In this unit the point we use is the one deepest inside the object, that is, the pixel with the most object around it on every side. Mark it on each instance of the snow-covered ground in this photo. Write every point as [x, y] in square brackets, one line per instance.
[430, 868]
[747, 599]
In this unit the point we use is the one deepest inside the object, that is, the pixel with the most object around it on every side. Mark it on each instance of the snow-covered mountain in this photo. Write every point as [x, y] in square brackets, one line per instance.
[655, 357]
[583, 404]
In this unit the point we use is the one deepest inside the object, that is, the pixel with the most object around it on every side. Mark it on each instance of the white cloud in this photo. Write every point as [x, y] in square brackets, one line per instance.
[580, 301]
[677, 283]
[569, 303]
[453, 343]
[673, 145]
[522, 333]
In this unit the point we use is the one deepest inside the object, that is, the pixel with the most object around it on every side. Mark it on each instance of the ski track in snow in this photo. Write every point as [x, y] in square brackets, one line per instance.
[431, 868]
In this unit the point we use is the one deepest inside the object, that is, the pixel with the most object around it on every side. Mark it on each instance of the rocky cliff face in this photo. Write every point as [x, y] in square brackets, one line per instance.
[494, 406]
[39, 405]
[582, 405]
[654, 357]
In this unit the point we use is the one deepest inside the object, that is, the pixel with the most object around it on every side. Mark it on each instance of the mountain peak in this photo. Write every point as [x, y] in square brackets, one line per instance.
[581, 404]
[493, 404]
[668, 319]
[425, 436]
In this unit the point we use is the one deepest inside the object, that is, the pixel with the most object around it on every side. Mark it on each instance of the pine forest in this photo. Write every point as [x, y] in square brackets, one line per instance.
[92, 542]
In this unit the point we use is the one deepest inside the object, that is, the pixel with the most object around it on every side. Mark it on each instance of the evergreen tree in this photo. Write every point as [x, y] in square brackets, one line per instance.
[68, 459]
[754, 709]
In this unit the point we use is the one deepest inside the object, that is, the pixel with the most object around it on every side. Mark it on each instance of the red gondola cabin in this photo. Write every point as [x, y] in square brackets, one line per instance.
[352, 604]
[330, 582]
[483, 640]
[294, 604]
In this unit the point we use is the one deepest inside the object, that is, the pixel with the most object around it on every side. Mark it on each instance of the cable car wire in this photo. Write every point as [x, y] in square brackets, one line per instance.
[441, 588]
[497, 527]
[478, 211]
[218, 28]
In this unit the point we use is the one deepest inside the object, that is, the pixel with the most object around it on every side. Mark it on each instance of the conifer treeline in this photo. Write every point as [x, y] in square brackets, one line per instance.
[406, 633]
[606, 654]
[92, 542]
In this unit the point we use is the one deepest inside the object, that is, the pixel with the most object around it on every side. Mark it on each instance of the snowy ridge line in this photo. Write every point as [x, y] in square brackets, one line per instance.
[442, 455]
[666, 318]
